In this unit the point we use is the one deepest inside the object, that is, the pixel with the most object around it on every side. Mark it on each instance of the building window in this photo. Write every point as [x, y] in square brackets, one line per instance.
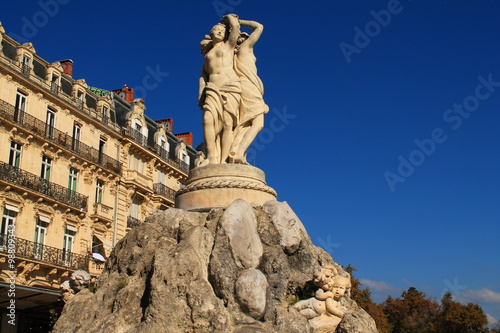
[42, 223]
[46, 166]
[164, 147]
[161, 177]
[15, 154]
[104, 114]
[79, 99]
[50, 123]
[102, 146]
[8, 219]
[137, 125]
[184, 157]
[99, 190]
[68, 241]
[77, 133]
[136, 164]
[135, 206]
[20, 107]
[54, 84]
[72, 179]
[26, 64]
[98, 252]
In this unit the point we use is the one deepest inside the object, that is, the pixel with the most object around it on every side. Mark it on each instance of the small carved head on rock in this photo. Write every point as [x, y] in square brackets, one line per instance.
[80, 279]
[341, 287]
[324, 277]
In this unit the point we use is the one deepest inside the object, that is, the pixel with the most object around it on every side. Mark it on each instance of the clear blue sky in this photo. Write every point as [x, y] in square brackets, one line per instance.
[347, 109]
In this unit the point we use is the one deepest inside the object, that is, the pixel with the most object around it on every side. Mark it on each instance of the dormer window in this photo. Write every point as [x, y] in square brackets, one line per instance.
[79, 99]
[104, 114]
[54, 83]
[184, 157]
[25, 64]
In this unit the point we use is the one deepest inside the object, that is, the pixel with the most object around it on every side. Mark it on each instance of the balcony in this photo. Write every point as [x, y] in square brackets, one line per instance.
[95, 267]
[47, 254]
[27, 180]
[171, 159]
[133, 222]
[52, 134]
[165, 191]
[137, 178]
[103, 213]
[164, 155]
[136, 136]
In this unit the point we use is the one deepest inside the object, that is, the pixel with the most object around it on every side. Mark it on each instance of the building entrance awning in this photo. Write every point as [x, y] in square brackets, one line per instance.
[27, 297]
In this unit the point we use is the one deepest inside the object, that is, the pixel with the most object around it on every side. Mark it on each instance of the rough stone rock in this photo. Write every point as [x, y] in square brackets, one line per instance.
[178, 272]
[250, 291]
[240, 224]
[357, 321]
[287, 223]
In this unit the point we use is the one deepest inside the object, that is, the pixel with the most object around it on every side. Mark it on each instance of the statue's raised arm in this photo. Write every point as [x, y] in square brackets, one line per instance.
[257, 31]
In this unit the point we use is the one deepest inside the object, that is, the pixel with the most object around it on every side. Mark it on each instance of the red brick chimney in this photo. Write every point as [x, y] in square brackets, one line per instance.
[67, 66]
[188, 137]
[126, 93]
[169, 124]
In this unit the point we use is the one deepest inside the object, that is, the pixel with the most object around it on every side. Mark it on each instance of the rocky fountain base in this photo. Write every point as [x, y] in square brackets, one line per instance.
[235, 269]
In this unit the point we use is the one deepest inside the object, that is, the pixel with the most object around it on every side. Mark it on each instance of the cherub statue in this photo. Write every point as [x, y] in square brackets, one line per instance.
[324, 309]
[80, 279]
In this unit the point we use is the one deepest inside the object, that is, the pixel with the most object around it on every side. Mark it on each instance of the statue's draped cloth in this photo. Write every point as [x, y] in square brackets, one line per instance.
[222, 99]
[252, 103]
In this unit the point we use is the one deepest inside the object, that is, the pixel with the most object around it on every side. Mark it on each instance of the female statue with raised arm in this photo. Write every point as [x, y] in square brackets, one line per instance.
[252, 107]
[220, 89]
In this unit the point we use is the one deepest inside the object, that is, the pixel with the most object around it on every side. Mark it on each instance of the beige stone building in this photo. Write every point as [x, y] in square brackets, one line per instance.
[79, 167]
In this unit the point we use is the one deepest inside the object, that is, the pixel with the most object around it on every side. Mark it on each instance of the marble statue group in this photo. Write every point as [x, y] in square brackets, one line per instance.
[231, 93]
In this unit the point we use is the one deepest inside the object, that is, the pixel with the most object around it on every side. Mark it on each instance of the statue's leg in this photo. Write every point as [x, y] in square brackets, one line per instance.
[209, 135]
[249, 136]
[230, 120]
[227, 136]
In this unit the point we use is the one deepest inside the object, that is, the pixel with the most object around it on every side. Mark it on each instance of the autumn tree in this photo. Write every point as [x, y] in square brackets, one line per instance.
[363, 298]
[454, 317]
[412, 313]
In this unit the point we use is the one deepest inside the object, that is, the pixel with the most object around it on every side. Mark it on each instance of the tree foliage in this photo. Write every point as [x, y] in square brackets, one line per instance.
[415, 312]
[412, 313]
[454, 317]
[363, 299]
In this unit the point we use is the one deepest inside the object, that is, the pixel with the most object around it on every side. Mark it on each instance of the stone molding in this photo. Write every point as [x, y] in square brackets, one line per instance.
[240, 184]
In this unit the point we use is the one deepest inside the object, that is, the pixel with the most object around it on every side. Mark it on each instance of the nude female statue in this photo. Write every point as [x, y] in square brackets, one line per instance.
[220, 89]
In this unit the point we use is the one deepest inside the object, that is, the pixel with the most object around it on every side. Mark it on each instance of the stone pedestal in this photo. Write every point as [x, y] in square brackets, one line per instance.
[218, 185]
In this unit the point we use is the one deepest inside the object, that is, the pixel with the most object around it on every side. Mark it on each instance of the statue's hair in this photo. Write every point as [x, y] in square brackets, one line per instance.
[243, 37]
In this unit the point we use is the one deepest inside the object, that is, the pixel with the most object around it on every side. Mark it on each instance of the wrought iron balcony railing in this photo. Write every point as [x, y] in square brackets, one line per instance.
[30, 250]
[161, 189]
[25, 69]
[54, 87]
[142, 140]
[22, 178]
[133, 222]
[136, 136]
[52, 134]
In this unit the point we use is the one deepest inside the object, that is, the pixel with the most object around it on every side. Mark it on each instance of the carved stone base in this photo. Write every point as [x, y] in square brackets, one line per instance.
[218, 185]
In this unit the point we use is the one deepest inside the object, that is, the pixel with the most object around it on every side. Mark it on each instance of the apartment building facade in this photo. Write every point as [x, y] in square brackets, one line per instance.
[79, 167]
